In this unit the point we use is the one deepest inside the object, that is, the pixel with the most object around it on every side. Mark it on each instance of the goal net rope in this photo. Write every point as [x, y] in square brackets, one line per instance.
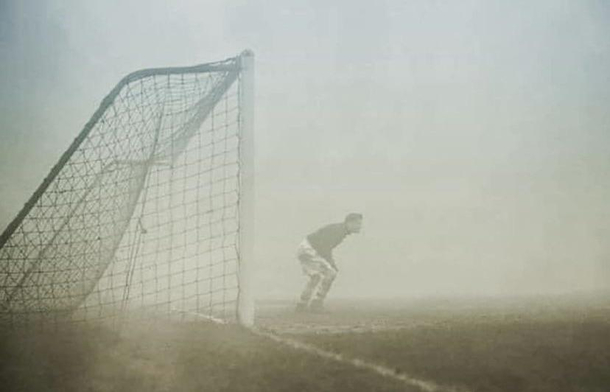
[143, 209]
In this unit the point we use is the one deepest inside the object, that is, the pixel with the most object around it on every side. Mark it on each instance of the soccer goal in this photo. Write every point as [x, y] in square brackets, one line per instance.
[150, 209]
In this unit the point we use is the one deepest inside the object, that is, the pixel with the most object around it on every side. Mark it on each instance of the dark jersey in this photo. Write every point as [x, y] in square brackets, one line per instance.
[327, 238]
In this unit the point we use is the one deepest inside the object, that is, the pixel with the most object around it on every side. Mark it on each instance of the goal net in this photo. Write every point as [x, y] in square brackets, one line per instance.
[149, 209]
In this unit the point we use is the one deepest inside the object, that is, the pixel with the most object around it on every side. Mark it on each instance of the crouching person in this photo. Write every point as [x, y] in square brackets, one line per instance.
[315, 254]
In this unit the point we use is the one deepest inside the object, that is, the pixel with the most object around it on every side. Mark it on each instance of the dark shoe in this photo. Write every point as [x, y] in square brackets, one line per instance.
[301, 307]
[317, 306]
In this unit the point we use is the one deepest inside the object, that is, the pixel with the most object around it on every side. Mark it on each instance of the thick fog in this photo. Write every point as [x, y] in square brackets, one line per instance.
[474, 136]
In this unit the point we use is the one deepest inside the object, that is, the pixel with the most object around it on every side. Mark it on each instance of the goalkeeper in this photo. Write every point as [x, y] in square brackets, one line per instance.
[316, 257]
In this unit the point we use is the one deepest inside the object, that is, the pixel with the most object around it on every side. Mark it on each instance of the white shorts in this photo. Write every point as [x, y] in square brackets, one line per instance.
[311, 262]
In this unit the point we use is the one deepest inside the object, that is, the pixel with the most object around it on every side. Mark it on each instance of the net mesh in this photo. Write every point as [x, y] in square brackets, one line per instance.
[142, 210]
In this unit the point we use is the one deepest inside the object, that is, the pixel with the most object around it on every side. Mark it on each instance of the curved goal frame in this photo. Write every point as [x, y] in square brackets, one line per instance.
[150, 207]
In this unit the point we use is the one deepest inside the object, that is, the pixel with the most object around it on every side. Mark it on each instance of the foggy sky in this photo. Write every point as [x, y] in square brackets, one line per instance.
[474, 136]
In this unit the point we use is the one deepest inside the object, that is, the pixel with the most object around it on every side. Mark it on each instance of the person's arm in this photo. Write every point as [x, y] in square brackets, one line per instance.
[329, 258]
[332, 264]
[325, 239]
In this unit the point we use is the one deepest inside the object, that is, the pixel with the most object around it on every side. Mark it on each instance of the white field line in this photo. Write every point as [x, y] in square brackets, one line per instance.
[302, 329]
[201, 316]
[422, 385]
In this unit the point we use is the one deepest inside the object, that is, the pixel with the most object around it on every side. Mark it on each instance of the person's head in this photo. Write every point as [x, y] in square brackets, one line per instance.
[353, 222]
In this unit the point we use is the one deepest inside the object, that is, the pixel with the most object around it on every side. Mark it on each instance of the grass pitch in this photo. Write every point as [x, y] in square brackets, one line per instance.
[194, 356]
[546, 344]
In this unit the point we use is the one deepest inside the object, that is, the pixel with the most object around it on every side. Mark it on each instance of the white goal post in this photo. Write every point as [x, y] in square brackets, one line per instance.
[246, 240]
